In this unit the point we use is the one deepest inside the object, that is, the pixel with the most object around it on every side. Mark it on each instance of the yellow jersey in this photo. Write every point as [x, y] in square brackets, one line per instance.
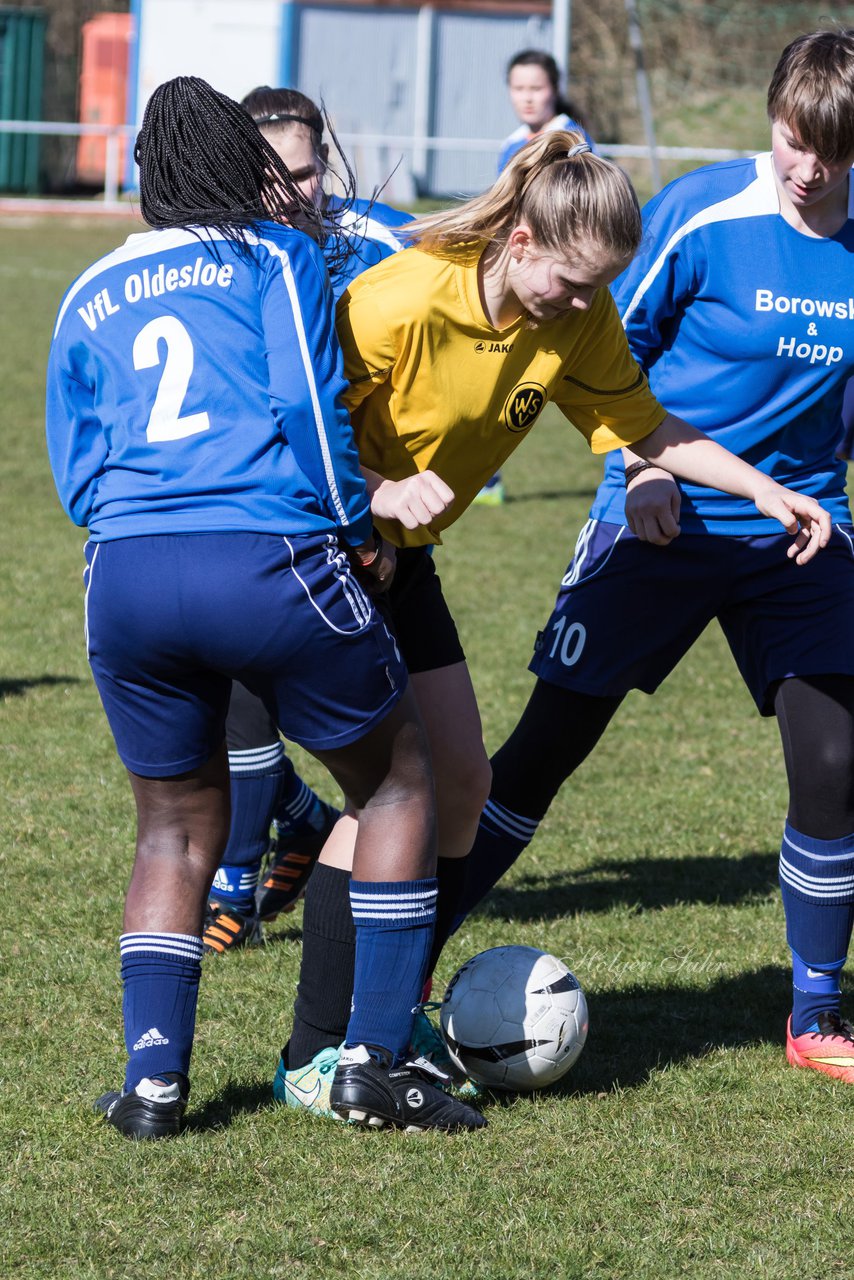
[434, 386]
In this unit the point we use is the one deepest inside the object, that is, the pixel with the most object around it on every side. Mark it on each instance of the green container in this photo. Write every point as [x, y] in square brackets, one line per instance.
[21, 78]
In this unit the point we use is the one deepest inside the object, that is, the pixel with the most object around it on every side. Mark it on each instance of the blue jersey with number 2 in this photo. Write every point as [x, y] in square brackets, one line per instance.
[195, 389]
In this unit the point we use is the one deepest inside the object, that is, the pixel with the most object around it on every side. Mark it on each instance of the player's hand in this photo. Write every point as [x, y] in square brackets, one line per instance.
[374, 563]
[415, 501]
[802, 517]
[653, 503]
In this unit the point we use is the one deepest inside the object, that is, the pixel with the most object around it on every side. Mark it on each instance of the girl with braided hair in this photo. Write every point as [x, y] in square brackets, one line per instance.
[196, 426]
[452, 349]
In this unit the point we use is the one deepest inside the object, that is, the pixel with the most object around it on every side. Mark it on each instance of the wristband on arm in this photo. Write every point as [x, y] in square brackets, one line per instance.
[372, 556]
[635, 468]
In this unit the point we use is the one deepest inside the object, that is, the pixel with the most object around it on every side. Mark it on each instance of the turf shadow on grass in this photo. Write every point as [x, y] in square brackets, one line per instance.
[277, 931]
[640, 1031]
[236, 1098]
[12, 688]
[647, 883]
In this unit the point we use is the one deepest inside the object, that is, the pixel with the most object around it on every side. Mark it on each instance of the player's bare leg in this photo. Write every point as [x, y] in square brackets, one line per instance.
[182, 827]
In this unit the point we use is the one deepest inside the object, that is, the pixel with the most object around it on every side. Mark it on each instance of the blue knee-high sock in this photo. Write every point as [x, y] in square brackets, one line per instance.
[256, 785]
[817, 883]
[394, 932]
[815, 990]
[160, 977]
[501, 837]
[299, 807]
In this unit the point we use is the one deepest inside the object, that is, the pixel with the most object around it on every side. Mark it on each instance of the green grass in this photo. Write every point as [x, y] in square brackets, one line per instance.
[681, 1144]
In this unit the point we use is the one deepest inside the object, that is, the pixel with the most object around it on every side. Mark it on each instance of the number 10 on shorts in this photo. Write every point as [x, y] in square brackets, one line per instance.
[568, 641]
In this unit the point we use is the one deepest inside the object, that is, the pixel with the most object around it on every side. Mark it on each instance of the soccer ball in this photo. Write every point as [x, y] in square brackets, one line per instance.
[514, 1018]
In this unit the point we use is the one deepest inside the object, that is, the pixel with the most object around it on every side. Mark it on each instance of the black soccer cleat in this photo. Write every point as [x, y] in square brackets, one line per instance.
[153, 1109]
[367, 1090]
[228, 930]
[292, 861]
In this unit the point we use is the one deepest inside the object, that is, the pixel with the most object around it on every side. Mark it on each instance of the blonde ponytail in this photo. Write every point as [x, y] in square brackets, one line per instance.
[563, 198]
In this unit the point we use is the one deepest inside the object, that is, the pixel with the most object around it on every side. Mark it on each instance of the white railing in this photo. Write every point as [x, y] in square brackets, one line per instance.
[403, 142]
[387, 148]
[112, 133]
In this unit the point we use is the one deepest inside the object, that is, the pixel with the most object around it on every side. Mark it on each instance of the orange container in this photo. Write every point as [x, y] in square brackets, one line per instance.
[103, 90]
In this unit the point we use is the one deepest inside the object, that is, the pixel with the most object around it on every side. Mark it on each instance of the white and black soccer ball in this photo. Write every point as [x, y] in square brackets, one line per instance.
[514, 1018]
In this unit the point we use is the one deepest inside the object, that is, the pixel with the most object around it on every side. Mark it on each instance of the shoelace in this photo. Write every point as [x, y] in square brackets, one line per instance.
[427, 1069]
[839, 1027]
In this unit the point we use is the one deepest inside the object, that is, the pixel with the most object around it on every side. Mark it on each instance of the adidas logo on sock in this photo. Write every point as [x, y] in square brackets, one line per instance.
[150, 1039]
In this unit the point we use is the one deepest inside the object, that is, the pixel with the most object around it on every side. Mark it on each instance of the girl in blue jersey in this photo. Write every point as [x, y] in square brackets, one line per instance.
[533, 82]
[265, 787]
[740, 308]
[293, 125]
[195, 425]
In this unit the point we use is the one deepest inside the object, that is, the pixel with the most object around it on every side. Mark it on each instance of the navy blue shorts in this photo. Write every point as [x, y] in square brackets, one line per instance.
[628, 611]
[172, 620]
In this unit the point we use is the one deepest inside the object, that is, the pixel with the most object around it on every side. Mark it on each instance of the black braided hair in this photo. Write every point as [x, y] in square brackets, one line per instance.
[203, 162]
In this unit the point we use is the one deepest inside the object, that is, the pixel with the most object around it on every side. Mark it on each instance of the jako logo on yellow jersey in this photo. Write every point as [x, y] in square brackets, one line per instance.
[523, 405]
[501, 348]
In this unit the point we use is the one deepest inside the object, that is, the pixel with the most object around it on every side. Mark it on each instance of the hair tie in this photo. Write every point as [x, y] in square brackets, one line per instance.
[314, 123]
[578, 149]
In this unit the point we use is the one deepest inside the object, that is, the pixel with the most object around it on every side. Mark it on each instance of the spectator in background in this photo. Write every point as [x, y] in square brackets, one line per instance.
[533, 82]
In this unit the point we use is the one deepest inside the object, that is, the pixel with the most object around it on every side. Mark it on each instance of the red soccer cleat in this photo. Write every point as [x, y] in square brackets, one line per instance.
[830, 1049]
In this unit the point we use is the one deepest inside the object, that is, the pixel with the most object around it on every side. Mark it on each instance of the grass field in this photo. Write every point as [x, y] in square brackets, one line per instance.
[680, 1145]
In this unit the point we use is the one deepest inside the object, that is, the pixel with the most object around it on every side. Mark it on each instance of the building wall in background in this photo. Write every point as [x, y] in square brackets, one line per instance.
[395, 69]
[235, 46]
[471, 101]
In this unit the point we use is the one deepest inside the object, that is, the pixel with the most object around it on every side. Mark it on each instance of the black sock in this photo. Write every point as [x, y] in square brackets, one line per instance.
[325, 990]
[451, 875]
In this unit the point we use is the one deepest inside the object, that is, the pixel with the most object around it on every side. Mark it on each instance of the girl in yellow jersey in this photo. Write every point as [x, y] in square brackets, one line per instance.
[452, 349]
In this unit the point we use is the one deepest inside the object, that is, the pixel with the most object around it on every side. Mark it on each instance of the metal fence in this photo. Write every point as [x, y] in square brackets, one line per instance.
[379, 158]
[113, 135]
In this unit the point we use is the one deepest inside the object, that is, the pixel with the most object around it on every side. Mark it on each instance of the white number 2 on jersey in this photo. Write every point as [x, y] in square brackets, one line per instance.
[165, 422]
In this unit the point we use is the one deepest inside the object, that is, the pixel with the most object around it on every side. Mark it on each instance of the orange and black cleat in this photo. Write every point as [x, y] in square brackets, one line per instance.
[292, 861]
[226, 930]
